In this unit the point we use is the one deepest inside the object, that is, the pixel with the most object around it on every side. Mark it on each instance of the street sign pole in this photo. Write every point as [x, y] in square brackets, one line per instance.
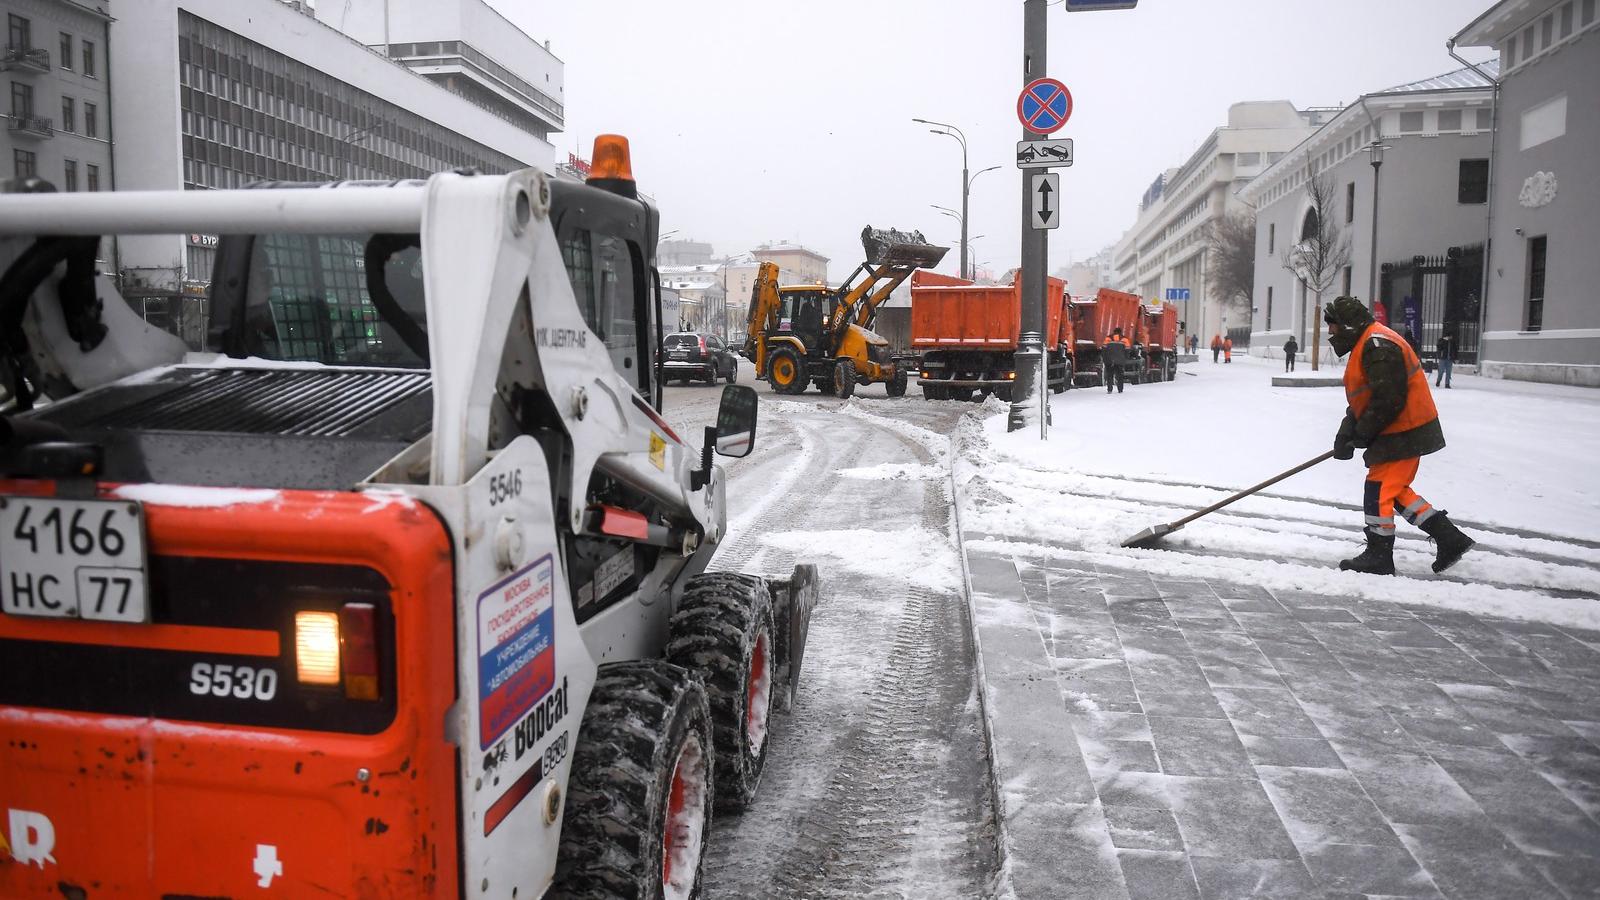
[1026, 400]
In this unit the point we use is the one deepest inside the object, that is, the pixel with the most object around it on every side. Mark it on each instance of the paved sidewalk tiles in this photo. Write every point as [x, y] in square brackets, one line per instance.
[1163, 738]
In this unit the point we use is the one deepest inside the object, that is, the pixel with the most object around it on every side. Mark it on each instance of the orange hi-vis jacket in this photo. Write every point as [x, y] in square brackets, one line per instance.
[1416, 425]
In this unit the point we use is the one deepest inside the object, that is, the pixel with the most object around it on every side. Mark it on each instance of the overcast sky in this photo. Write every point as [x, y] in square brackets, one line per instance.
[766, 120]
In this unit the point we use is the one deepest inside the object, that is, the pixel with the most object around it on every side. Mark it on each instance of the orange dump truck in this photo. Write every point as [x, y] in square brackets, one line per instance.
[1158, 332]
[1094, 320]
[966, 336]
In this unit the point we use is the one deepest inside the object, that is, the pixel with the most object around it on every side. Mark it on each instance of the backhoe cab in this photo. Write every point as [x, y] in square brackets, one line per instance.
[809, 333]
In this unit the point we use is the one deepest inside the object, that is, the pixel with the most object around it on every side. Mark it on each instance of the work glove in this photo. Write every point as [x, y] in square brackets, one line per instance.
[1344, 446]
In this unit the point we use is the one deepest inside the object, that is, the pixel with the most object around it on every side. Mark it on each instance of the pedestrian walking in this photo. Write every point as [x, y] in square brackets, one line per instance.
[1227, 349]
[1194, 344]
[1113, 357]
[1290, 348]
[1390, 414]
[1216, 347]
[1446, 351]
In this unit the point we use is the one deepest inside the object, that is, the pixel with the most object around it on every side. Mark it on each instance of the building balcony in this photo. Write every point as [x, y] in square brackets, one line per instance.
[31, 126]
[25, 59]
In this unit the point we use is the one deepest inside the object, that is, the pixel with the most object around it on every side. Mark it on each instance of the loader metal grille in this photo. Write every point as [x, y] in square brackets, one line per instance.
[247, 401]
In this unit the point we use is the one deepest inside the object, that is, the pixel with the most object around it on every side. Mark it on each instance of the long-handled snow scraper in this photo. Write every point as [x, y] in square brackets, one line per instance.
[1150, 536]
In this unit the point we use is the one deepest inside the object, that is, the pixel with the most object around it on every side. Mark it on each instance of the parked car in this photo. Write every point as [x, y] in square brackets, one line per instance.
[690, 355]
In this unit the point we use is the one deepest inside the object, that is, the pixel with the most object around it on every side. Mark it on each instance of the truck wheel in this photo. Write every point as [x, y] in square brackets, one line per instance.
[1172, 368]
[786, 372]
[844, 379]
[897, 385]
[723, 632]
[962, 394]
[933, 392]
[640, 795]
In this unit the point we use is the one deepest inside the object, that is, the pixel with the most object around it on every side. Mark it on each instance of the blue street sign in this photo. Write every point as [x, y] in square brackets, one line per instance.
[1177, 293]
[1092, 5]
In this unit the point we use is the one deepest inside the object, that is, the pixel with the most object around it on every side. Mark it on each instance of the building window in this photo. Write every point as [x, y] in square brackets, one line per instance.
[1473, 186]
[69, 114]
[1535, 308]
[1272, 238]
[19, 33]
[1269, 309]
[88, 58]
[66, 50]
[93, 179]
[1410, 122]
[91, 127]
[1544, 122]
[21, 100]
[1350, 202]
[69, 179]
[1449, 120]
[1345, 280]
[24, 163]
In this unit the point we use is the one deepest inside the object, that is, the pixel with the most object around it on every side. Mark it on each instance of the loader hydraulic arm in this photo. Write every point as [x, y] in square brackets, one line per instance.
[762, 318]
[891, 257]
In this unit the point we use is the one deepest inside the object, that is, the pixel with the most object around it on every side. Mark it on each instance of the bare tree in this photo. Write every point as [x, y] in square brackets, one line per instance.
[1322, 251]
[1231, 258]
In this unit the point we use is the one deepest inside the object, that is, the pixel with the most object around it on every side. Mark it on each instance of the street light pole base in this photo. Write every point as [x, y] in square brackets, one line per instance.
[1025, 409]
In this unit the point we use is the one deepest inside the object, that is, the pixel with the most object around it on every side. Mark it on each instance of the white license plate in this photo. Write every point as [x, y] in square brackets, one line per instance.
[73, 559]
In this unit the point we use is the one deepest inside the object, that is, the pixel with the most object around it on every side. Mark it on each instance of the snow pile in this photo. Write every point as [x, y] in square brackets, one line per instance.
[915, 555]
[893, 472]
[194, 497]
[1513, 475]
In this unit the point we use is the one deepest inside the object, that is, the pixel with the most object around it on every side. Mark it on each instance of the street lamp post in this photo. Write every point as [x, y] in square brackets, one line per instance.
[966, 184]
[1375, 152]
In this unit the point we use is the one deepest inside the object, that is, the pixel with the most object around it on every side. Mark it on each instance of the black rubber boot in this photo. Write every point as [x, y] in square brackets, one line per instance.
[1449, 543]
[1377, 559]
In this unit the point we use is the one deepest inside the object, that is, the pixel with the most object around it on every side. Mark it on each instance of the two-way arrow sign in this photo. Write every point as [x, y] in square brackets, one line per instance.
[1045, 194]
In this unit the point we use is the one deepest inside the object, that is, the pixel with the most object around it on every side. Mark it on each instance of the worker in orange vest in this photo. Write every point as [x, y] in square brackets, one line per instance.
[1216, 346]
[1114, 354]
[1227, 349]
[1392, 415]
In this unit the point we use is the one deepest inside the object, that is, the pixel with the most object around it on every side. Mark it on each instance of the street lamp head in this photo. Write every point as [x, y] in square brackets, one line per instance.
[1375, 151]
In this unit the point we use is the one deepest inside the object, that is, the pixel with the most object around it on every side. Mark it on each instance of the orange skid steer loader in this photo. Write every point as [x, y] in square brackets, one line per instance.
[396, 590]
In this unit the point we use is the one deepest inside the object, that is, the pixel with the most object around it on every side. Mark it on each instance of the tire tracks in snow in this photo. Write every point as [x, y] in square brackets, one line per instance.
[877, 783]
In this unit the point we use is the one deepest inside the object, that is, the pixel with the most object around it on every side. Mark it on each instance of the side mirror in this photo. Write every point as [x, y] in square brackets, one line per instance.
[736, 421]
[734, 434]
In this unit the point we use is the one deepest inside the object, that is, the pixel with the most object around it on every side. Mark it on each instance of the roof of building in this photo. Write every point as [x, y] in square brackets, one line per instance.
[1463, 77]
[787, 247]
[1500, 19]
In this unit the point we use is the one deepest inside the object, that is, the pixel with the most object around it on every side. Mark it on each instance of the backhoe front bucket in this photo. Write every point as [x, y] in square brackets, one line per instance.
[793, 599]
[886, 246]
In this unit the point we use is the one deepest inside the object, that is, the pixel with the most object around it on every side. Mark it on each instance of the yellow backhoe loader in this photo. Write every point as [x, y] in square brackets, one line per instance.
[809, 333]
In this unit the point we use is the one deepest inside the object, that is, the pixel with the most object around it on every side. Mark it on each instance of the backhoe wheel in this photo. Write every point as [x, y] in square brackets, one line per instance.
[723, 632]
[897, 384]
[786, 373]
[844, 378]
[640, 796]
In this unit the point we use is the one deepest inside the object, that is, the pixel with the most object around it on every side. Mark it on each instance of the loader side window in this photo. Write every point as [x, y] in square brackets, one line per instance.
[606, 275]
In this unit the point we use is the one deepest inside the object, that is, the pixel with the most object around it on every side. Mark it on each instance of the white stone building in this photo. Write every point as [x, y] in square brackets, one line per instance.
[1432, 205]
[1166, 247]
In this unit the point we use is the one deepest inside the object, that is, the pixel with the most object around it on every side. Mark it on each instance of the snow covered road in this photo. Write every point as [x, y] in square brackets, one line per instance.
[877, 784]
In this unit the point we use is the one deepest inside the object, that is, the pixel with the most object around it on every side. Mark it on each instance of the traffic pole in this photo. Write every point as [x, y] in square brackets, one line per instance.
[1026, 395]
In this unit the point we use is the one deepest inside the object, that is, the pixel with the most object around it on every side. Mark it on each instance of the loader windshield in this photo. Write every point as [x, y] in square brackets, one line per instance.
[337, 299]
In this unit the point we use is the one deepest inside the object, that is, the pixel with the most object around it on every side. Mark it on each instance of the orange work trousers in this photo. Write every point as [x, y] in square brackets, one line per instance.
[1388, 487]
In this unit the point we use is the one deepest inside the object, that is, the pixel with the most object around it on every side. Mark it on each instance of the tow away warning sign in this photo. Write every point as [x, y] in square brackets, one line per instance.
[516, 648]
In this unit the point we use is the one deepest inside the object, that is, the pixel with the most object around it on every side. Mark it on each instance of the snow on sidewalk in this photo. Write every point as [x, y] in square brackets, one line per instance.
[1516, 474]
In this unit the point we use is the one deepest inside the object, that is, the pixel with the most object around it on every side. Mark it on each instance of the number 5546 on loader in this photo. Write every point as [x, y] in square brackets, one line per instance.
[398, 589]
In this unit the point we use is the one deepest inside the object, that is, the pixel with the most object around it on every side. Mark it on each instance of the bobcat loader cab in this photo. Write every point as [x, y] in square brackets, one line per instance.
[398, 591]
